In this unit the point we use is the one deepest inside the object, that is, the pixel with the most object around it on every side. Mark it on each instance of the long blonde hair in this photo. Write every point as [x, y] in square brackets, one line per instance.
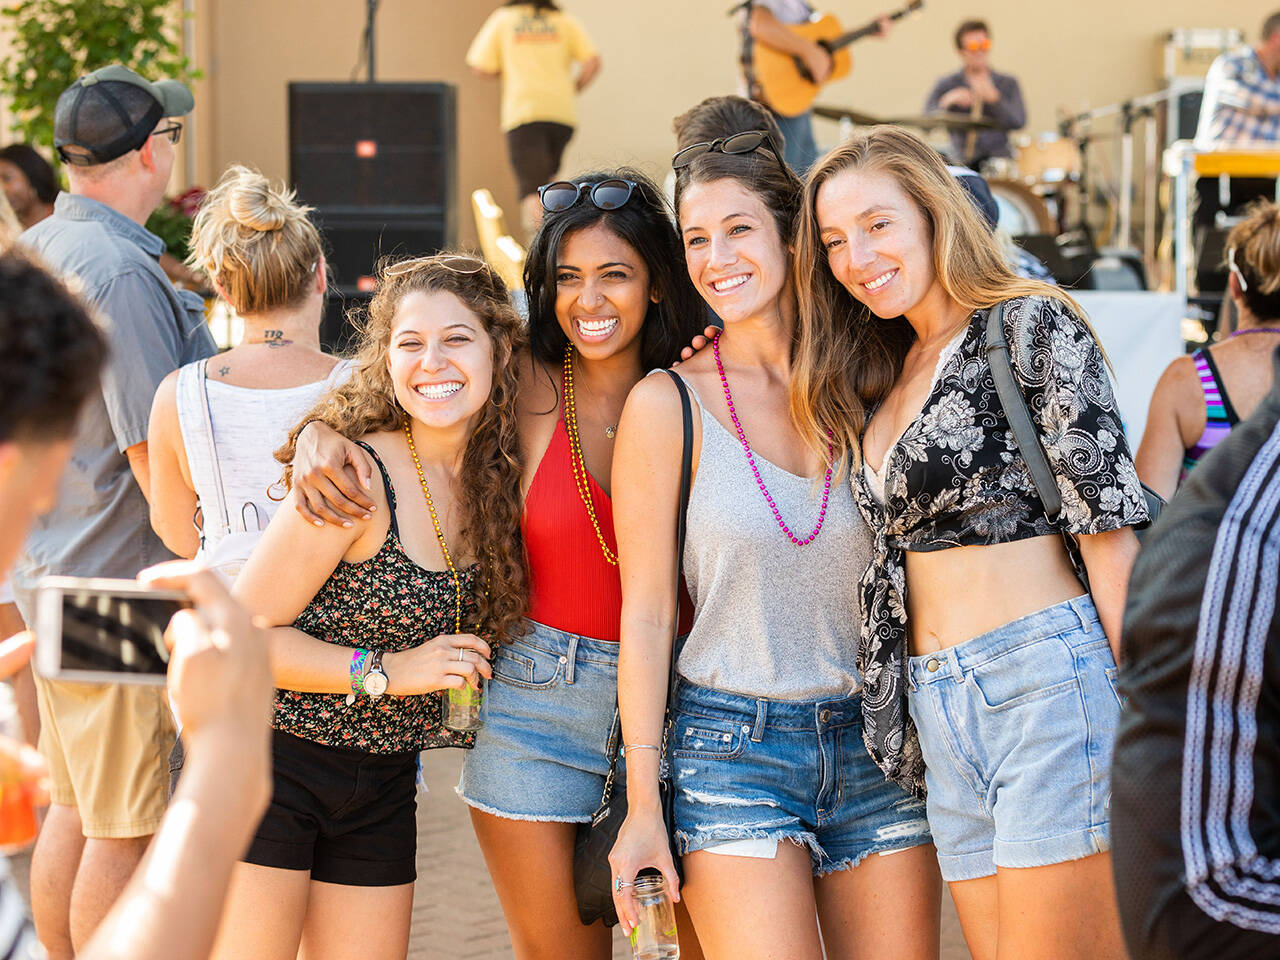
[255, 241]
[491, 465]
[849, 358]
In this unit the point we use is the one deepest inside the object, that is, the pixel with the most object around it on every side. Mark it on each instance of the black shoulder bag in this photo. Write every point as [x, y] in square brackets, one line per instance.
[592, 876]
[1024, 432]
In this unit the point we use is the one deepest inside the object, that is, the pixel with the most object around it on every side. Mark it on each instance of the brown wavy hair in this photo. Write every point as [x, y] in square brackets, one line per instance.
[491, 465]
[847, 358]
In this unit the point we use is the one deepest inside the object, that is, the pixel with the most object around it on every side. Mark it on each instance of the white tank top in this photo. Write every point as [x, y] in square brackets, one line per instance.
[249, 425]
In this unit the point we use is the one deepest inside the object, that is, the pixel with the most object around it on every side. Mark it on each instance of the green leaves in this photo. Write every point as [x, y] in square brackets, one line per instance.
[56, 41]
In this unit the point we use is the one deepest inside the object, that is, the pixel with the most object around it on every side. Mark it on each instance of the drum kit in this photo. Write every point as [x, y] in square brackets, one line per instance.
[1030, 188]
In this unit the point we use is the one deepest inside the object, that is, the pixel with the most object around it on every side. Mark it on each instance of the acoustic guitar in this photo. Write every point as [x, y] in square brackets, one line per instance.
[783, 82]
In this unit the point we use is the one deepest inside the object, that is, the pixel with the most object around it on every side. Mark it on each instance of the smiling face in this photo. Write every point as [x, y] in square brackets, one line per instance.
[733, 251]
[602, 292]
[879, 245]
[440, 358]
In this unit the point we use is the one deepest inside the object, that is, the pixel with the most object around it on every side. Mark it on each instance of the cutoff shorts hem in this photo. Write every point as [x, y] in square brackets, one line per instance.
[509, 815]
[691, 843]
[541, 750]
[848, 863]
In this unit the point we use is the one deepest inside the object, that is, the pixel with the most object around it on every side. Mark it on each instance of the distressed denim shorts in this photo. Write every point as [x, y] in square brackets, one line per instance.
[746, 768]
[1016, 727]
[545, 722]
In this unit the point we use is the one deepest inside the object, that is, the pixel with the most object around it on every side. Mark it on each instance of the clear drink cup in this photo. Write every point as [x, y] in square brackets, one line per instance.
[654, 936]
[461, 708]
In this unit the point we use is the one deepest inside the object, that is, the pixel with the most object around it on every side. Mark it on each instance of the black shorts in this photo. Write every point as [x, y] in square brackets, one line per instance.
[345, 815]
[536, 149]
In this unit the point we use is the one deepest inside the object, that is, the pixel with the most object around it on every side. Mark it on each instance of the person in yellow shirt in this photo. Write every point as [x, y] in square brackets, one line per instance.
[533, 46]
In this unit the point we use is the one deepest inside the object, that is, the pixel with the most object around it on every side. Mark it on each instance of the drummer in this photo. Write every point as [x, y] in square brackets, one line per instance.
[983, 94]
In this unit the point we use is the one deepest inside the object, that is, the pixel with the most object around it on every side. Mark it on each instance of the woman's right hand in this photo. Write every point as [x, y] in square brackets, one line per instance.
[332, 477]
[642, 842]
[449, 661]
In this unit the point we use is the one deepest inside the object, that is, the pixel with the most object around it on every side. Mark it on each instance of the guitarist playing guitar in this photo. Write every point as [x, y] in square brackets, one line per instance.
[767, 23]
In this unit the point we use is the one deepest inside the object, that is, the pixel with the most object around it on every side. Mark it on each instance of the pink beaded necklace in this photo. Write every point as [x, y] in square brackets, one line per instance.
[742, 437]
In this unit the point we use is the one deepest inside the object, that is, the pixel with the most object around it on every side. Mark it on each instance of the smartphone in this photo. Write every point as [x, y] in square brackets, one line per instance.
[96, 630]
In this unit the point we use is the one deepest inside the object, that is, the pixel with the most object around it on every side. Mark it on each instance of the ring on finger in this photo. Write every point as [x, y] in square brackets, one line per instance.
[462, 653]
[619, 883]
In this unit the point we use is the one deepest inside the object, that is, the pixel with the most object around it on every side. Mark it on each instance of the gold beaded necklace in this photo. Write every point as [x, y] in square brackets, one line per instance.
[444, 546]
[575, 454]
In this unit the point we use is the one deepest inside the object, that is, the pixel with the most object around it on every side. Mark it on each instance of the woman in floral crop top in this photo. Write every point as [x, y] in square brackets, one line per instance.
[374, 618]
[989, 634]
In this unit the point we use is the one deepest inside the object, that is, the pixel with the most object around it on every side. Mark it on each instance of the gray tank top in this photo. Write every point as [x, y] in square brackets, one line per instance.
[771, 619]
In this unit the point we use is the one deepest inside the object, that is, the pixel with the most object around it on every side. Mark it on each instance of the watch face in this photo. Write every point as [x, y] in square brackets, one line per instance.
[375, 683]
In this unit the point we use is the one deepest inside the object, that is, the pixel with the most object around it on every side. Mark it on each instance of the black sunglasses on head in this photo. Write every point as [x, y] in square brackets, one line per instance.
[606, 195]
[746, 142]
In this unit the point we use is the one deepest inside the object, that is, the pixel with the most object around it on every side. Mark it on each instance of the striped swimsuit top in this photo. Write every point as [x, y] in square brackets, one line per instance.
[1220, 414]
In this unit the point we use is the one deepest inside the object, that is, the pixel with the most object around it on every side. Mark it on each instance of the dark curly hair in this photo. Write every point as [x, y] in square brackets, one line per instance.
[645, 223]
[491, 465]
[51, 353]
[35, 168]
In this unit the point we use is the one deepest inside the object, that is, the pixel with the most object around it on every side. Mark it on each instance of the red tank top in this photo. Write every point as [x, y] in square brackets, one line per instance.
[571, 585]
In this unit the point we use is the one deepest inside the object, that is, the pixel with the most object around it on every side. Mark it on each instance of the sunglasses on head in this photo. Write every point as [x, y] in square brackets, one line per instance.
[606, 195]
[457, 262]
[747, 142]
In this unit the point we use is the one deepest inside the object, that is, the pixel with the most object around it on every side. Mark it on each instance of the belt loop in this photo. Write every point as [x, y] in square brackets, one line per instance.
[762, 710]
[570, 657]
[1085, 624]
[953, 659]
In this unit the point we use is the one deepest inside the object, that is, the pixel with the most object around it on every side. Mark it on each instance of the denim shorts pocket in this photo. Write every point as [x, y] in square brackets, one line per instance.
[1112, 676]
[707, 738]
[1036, 671]
[524, 666]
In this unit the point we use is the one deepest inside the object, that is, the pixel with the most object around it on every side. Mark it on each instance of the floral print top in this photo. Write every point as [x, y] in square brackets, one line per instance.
[956, 478]
[390, 603]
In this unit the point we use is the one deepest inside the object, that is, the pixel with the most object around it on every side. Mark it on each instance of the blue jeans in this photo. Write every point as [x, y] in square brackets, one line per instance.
[801, 149]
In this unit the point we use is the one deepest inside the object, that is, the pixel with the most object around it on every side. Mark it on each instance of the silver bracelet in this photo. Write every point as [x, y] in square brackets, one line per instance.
[628, 747]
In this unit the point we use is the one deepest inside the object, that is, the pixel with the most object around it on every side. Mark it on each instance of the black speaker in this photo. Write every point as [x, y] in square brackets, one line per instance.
[378, 161]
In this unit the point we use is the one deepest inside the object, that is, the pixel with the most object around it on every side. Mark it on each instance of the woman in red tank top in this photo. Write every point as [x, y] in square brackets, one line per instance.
[609, 300]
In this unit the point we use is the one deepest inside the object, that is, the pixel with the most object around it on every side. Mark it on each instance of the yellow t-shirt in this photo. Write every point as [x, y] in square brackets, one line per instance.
[534, 52]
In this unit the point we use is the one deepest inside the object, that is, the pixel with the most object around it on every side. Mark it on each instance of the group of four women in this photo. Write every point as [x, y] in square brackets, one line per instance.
[889, 661]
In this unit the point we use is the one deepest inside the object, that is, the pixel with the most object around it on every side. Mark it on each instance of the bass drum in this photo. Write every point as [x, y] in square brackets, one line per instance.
[1021, 211]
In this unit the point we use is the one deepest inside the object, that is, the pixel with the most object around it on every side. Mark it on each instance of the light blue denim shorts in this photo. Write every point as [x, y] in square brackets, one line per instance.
[746, 768]
[545, 722]
[1016, 727]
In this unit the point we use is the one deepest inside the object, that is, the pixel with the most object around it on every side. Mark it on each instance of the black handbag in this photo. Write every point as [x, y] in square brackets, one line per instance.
[592, 875]
[1024, 432]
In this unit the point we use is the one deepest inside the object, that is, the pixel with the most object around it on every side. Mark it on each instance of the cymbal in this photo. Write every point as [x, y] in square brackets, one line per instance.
[928, 121]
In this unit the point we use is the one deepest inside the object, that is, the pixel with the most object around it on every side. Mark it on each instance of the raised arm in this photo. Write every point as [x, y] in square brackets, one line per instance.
[646, 491]
[173, 501]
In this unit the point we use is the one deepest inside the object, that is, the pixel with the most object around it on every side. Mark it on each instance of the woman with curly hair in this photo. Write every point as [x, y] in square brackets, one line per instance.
[384, 614]
[989, 640]
[607, 301]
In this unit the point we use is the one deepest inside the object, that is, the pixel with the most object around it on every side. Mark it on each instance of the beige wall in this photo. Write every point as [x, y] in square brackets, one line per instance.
[660, 56]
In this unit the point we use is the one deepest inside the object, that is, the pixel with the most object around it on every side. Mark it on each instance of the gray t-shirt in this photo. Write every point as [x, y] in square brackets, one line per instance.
[101, 524]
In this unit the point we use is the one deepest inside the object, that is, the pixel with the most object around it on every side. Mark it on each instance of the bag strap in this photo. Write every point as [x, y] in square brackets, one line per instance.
[213, 447]
[686, 474]
[1024, 432]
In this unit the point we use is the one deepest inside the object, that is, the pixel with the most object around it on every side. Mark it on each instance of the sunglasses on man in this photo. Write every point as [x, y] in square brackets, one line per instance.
[975, 44]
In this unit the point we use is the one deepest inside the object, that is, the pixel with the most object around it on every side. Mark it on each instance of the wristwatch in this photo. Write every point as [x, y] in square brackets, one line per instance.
[375, 678]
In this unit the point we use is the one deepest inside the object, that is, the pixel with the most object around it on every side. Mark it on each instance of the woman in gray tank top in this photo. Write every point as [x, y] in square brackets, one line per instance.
[778, 806]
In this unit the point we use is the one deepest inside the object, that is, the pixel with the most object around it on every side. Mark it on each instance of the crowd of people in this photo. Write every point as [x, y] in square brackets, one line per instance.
[804, 628]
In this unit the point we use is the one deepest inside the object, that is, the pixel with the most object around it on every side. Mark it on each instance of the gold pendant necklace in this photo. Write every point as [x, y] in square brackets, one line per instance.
[575, 453]
[444, 546]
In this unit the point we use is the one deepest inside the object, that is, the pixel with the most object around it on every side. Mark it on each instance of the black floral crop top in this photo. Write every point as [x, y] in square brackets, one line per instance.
[956, 478]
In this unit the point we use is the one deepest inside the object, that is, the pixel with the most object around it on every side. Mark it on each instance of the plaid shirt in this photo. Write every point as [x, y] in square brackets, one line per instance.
[1241, 103]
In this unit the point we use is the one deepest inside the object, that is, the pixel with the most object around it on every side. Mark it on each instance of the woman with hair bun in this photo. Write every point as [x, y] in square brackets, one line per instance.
[216, 423]
[1202, 397]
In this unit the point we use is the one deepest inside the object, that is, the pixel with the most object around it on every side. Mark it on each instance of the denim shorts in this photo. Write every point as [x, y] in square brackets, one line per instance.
[545, 722]
[781, 770]
[1016, 727]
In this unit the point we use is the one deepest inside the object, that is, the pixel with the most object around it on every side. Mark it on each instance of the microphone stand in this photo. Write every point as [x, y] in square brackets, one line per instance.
[371, 13]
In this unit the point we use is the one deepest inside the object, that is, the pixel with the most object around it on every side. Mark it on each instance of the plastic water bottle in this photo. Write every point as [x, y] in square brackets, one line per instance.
[654, 937]
[461, 708]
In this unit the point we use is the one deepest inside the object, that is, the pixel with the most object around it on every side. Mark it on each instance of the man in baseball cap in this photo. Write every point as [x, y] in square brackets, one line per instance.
[107, 745]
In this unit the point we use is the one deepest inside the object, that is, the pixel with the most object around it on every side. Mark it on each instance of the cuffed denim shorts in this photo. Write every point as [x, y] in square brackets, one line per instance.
[1016, 727]
[745, 768]
[540, 753]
